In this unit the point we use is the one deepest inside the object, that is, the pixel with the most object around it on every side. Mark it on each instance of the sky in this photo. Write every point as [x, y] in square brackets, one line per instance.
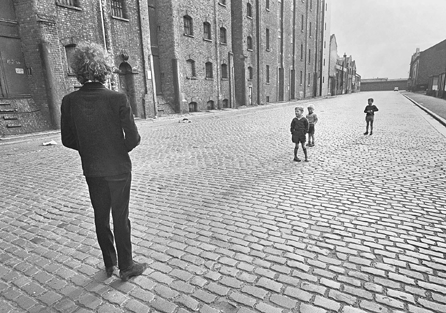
[382, 35]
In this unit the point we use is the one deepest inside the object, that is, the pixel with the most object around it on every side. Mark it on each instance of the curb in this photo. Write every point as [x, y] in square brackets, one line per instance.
[441, 120]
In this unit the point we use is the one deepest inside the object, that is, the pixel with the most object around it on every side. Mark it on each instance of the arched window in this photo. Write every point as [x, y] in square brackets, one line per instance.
[225, 103]
[224, 71]
[249, 42]
[209, 72]
[188, 25]
[193, 107]
[210, 105]
[207, 31]
[223, 38]
[249, 9]
[190, 68]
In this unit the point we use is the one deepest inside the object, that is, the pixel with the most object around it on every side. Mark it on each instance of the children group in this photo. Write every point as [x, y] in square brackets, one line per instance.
[301, 126]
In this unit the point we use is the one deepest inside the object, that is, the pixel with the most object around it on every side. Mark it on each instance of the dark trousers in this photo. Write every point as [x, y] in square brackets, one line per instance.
[112, 192]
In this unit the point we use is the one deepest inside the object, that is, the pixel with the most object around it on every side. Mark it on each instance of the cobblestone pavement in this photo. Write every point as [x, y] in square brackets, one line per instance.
[229, 223]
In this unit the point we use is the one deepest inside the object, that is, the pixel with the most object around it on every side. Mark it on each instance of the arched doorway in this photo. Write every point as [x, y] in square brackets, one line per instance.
[127, 84]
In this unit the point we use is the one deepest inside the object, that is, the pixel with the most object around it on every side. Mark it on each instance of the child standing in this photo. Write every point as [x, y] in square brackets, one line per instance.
[369, 110]
[299, 129]
[312, 120]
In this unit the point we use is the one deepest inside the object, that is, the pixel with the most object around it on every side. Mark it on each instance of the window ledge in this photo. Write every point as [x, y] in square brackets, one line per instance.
[249, 50]
[71, 7]
[120, 18]
[209, 78]
[222, 4]
[192, 78]
[269, 50]
[223, 43]
[187, 35]
[208, 40]
[250, 17]
[224, 78]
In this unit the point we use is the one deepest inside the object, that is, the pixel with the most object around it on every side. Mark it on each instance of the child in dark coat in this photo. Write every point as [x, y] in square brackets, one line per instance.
[370, 110]
[299, 129]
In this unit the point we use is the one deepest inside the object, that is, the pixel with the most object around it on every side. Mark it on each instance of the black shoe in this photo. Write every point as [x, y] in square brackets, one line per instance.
[297, 159]
[135, 270]
[371, 133]
[306, 160]
[110, 270]
[366, 133]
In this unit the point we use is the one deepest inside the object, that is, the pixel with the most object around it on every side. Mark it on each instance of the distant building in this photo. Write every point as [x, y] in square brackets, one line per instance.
[381, 84]
[342, 72]
[428, 70]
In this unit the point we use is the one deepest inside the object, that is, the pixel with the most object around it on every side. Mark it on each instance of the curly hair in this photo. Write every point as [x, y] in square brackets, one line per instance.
[91, 62]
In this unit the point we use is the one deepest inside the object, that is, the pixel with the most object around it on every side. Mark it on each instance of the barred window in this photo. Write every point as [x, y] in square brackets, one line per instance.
[224, 71]
[250, 73]
[249, 42]
[72, 3]
[188, 25]
[117, 7]
[190, 68]
[223, 38]
[207, 30]
[249, 9]
[209, 72]
[69, 52]
[267, 39]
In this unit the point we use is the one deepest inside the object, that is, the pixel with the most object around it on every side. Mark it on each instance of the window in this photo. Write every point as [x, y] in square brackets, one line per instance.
[250, 73]
[311, 4]
[267, 74]
[309, 56]
[249, 42]
[301, 78]
[193, 107]
[117, 7]
[267, 4]
[210, 105]
[71, 3]
[267, 39]
[223, 39]
[188, 25]
[69, 51]
[301, 51]
[309, 79]
[249, 9]
[209, 72]
[310, 30]
[302, 23]
[190, 68]
[224, 71]
[207, 31]
[324, 61]
[225, 103]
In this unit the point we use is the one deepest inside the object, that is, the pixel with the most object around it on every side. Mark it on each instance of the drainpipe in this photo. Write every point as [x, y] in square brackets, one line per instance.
[51, 88]
[217, 55]
[101, 9]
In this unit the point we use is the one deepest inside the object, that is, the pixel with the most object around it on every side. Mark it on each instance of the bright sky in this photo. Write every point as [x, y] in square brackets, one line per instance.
[382, 35]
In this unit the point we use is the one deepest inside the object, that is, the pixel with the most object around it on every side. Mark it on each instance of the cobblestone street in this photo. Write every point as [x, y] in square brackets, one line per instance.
[229, 223]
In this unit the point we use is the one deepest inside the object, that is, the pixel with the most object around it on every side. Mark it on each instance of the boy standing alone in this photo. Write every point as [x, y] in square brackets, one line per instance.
[370, 110]
[299, 129]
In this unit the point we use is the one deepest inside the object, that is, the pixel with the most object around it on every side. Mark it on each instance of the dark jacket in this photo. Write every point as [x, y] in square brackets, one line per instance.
[99, 124]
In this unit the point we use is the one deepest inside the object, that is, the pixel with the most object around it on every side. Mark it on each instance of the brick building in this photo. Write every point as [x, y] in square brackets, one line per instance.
[37, 38]
[428, 70]
[170, 56]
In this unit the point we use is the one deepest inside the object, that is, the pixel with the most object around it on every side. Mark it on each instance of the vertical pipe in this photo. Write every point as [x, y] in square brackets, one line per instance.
[217, 55]
[50, 85]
